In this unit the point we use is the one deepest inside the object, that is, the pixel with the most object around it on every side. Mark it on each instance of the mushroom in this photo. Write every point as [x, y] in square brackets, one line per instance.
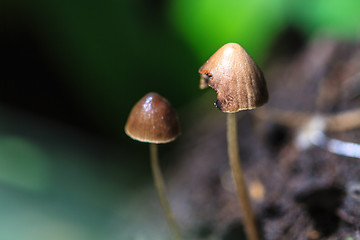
[153, 120]
[240, 85]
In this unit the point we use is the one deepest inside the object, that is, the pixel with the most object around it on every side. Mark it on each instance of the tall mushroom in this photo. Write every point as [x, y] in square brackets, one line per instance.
[153, 120]
[240, 85]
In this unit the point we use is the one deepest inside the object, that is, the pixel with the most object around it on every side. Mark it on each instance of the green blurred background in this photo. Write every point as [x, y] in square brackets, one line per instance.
[71, 71]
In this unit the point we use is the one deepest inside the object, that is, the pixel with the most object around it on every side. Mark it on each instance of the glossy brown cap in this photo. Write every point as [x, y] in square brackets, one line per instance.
[152, 120]
[238, 81]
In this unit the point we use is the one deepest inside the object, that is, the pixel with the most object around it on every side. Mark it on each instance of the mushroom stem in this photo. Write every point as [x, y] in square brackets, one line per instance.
[160, 187]
[243, 196]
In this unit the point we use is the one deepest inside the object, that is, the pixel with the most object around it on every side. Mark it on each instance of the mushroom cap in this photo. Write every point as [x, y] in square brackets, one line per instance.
[238, 81]
[152, 120]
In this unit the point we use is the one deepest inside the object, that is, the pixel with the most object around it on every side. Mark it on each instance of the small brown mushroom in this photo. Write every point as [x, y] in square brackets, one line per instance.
[240, 85]
[153, 120]
[238, 81]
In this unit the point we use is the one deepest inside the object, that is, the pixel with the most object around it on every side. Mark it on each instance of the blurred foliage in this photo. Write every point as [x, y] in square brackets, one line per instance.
[56, 183]
[114, 52]
[208, 24]
[339, 19]
[23, 164]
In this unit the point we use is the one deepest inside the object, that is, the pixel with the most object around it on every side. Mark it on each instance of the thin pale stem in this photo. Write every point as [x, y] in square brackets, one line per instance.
[160, 187]
[243, 196]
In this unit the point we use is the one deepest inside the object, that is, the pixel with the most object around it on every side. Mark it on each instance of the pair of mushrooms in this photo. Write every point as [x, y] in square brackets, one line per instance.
[240, 85]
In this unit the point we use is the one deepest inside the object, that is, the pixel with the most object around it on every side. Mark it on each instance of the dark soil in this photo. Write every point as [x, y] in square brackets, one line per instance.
[307, 193]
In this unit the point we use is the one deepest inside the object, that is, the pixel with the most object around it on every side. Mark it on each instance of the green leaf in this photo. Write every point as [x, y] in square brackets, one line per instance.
[335, 18]
[208, 24]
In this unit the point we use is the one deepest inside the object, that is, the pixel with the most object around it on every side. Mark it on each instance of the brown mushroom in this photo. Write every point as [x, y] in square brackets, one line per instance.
[238, 81]
[240, 85]
[153, 120]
